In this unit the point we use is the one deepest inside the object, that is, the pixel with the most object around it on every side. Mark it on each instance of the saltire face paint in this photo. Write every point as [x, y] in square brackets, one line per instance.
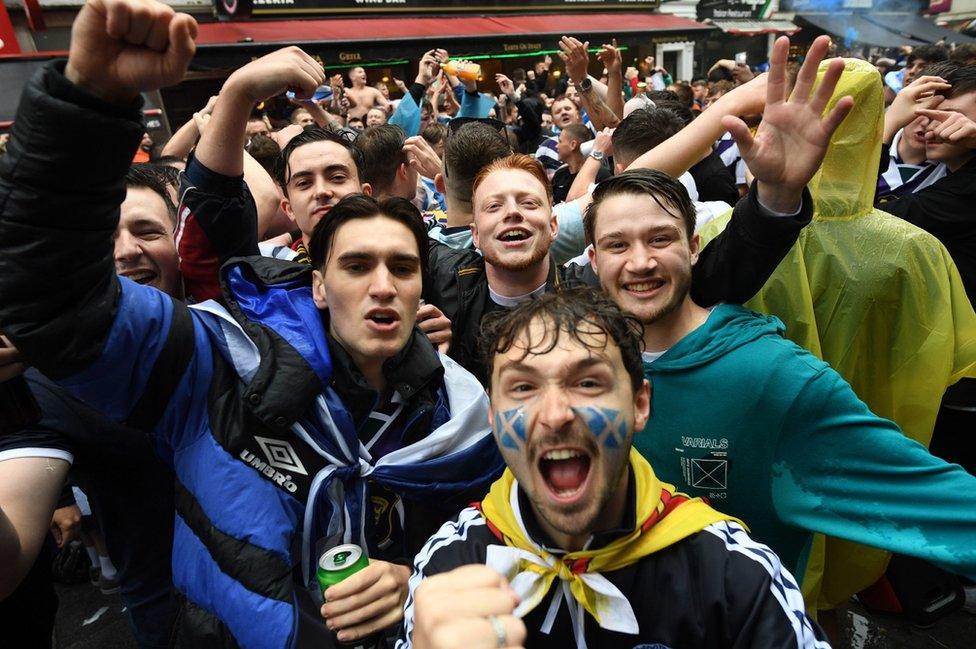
[609, 426]
[510, 428]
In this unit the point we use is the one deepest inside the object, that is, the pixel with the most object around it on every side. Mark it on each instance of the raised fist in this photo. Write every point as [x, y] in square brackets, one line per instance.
[272, 74]
[120, 48]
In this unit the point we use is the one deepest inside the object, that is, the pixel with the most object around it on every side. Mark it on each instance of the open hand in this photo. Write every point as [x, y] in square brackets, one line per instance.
[792, 138]
[576, 57]
[920, 93]
[610, 57]
[505, 84]
[436, 325]
[120, 48]
[948, 127]
[421, 156]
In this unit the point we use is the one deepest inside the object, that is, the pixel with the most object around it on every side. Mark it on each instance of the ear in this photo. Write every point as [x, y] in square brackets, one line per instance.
[553, 226]
[318, 291]
[695, 246]
[367, 189]
[642, 406]
[591, 253]
[440, 184]
[618, 168]
[402, 171]
[286, 208]
[474, 234]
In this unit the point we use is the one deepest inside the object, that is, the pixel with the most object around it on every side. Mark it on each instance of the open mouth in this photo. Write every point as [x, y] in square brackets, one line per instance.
[644, 288]
[383, 320]
[140, 276]
[514, 236]
[565, 472]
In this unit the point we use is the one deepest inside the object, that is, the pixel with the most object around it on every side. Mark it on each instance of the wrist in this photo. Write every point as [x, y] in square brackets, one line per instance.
[118, 95]
[780, 199]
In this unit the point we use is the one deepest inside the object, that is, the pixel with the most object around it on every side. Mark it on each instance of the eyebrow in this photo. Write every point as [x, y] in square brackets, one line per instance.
[595, 358]
[309, 172]
[619, 234]
[145, 221]
[360, 255]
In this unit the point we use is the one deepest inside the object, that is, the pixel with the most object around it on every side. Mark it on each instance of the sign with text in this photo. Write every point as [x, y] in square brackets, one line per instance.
[728, 10]
[345, 7]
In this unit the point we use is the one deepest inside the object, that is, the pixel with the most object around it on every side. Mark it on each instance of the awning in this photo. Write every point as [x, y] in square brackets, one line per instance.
[917, 27]
[755, 27]
[361, 30]
[854, 29]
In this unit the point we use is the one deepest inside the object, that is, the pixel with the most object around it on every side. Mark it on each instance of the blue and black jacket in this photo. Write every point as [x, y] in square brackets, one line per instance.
[241, 401]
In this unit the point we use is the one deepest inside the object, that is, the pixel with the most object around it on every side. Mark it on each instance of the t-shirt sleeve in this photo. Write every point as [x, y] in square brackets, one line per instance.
[843, 471]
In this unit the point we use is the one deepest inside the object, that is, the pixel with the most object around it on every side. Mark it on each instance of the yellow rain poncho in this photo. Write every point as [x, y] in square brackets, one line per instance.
[874, 296]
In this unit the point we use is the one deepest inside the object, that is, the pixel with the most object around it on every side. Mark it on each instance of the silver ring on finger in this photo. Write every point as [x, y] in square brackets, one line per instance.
[501, 638]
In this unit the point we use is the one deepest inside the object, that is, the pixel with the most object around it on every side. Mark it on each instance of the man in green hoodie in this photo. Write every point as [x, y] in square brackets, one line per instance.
[748, 419]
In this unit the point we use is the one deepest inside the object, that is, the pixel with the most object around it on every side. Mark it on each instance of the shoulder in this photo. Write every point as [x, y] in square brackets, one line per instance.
[458, 542]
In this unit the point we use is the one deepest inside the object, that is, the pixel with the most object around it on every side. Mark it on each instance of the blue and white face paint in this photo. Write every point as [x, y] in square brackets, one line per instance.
[564, 420]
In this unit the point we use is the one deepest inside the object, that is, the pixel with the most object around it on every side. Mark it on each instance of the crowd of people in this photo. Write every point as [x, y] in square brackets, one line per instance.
[601, 360]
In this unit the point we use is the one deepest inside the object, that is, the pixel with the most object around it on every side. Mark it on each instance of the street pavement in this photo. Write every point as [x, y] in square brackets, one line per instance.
[89, 620]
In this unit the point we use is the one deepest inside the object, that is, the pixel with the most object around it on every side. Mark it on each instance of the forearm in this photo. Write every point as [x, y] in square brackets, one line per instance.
[585, 178]
[182, 141]
[600, 113]
[615, 93]
[221, 148]
[681, 151]
[59, 213]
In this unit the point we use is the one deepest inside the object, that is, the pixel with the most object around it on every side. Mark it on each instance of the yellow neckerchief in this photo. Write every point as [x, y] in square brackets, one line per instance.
[664, 517]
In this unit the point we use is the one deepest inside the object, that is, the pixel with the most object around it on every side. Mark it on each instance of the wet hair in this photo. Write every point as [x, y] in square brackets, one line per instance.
[169, 160]
[381, 149]
[518, 161]
[930, 53]
[667, 192]
[154, 177]
[582, 313]
[361, 206]
[467, 151]
[643, 130]
[720, 73]
[316, 134]
[961, 77]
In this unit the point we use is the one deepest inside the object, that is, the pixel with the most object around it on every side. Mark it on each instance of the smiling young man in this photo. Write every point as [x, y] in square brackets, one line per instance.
[306, 413]
[598, 550]
[784, 443]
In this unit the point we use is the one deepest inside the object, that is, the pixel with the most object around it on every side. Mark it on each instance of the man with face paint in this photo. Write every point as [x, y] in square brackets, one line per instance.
[598, 551]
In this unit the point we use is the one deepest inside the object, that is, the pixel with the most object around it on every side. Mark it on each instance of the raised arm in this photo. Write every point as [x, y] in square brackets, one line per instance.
[577, 59]
[59, 319]
[613, 62]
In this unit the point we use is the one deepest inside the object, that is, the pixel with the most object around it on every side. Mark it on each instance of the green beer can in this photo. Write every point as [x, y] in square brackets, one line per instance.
[338, 563]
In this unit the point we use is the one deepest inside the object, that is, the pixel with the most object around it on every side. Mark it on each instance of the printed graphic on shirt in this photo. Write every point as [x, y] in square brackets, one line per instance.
[705, 466]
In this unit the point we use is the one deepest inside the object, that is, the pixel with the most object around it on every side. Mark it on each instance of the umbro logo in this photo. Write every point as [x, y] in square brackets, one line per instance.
[281, 455]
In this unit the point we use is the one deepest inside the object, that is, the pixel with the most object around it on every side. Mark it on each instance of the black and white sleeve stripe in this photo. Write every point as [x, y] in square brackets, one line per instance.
[455, 531]
[782, 585]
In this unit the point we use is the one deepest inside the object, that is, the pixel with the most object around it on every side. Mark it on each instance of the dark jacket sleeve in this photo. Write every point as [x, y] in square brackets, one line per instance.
[944, 208]
[736, 264]
[61, 184]
[218, 221]
[531, 121]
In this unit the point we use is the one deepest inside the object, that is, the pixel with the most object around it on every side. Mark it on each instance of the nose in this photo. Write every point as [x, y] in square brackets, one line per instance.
[323, 189]
[554, 410]
[640, 259]
[127, 247]
[382, 285]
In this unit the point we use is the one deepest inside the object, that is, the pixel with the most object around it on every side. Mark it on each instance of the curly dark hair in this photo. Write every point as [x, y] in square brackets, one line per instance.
[583, 313]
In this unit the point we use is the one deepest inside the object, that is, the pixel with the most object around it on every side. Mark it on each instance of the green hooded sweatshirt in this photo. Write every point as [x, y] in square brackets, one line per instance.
[774, 436]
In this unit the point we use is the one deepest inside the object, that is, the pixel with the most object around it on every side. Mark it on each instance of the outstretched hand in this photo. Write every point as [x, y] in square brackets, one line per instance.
[120, 48]
[792, 138]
